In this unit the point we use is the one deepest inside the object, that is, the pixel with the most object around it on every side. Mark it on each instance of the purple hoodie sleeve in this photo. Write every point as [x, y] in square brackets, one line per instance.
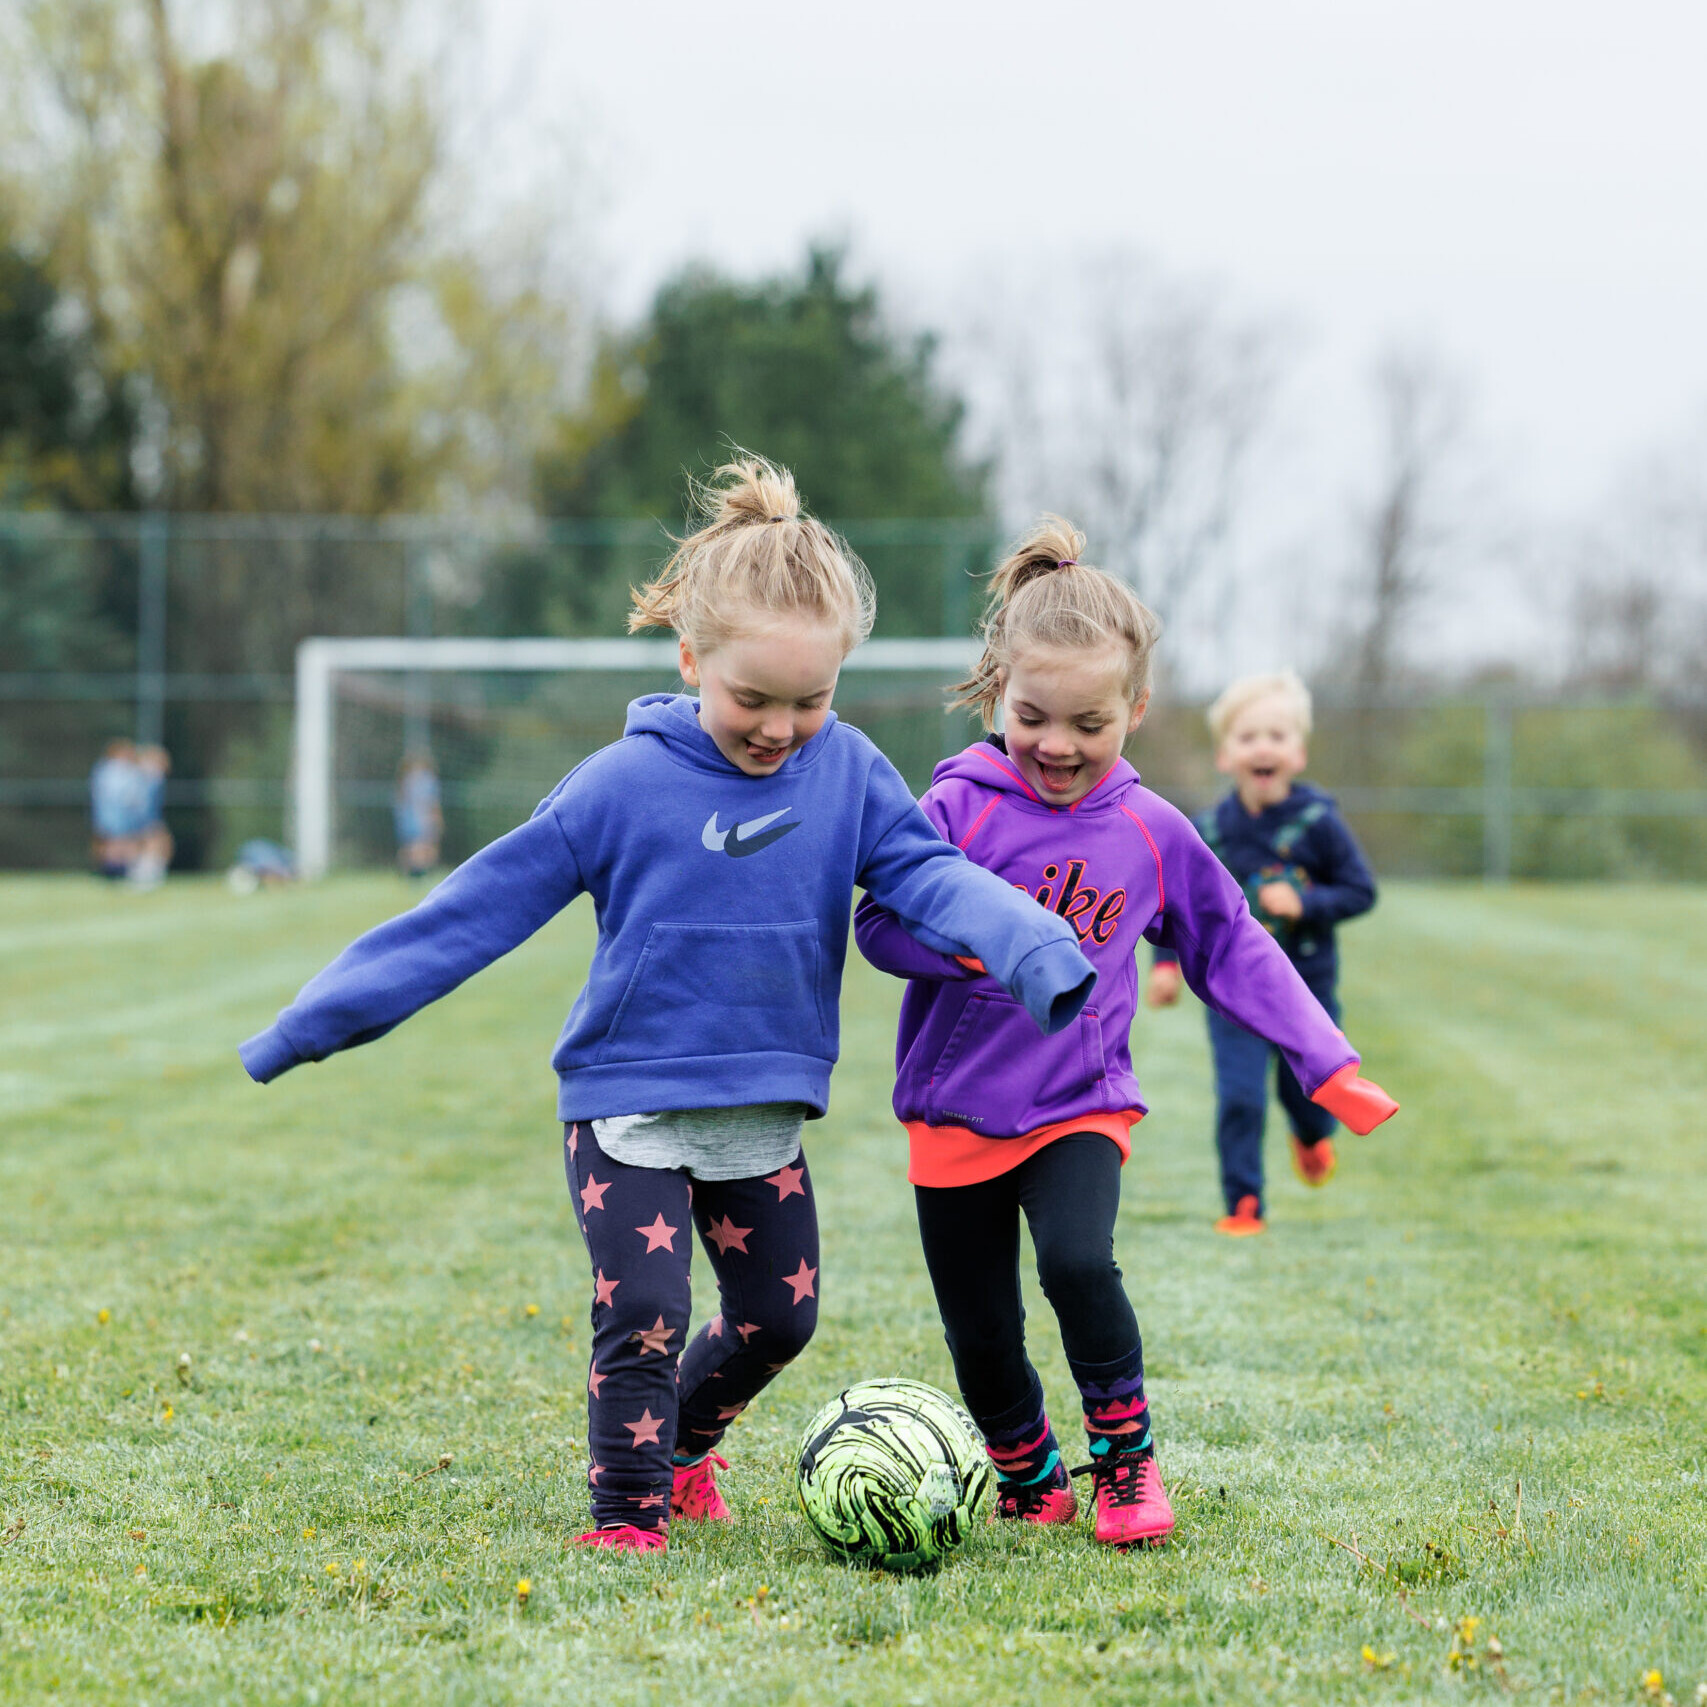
[1234, 966]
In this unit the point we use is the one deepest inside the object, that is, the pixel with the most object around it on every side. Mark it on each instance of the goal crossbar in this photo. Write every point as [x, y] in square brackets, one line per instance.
[320, 661]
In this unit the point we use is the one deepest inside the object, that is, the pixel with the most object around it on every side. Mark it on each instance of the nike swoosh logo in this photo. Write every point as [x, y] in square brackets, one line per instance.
[746, 838]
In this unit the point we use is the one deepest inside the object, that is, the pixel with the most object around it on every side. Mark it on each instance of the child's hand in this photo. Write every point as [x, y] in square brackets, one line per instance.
[1359, 1103]
[1163, 988]
[1280, 901]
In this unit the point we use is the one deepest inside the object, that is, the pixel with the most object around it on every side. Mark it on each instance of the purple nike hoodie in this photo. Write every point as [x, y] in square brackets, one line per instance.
[1119, 865]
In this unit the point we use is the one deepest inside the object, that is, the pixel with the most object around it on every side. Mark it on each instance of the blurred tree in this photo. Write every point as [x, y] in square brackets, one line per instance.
[1638, 609]
[802, 368]
[242, 196]
[1131, 401]
[256, 206]
[65, 431]
[1419, 413]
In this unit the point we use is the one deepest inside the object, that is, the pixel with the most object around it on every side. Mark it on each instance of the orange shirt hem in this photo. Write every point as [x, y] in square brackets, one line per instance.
[956, 1155]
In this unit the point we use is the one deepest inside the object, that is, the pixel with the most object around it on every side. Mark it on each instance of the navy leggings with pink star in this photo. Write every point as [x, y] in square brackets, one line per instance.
[649, 1401]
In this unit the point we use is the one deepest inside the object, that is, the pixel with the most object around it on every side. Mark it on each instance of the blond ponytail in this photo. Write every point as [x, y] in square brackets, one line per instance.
[1043, 595]
[756, 558]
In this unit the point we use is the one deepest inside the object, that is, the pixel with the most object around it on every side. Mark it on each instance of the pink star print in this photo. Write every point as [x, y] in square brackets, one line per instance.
[727, 1236]
[801, 1280]
[746, 1330]
[595, 1380]
[658, 1235]
[728, 1413]
[645, 1431]
[571, 1140]
[604, 1291]
[649, 1500]
[593, 1194]
[787, 1181]
[715, 1327]
[655, 1338]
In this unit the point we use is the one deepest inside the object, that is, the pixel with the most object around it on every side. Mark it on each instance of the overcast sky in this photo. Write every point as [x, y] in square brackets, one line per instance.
[1520, 184]
[1524, 182]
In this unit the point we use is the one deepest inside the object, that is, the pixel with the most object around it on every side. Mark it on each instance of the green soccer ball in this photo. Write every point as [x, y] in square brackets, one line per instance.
[892, 1473]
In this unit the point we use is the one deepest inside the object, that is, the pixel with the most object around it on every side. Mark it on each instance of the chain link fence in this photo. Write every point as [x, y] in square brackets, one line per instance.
[183, 631]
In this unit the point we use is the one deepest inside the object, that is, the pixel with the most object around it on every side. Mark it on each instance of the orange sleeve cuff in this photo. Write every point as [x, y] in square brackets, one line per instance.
[1360, 1103]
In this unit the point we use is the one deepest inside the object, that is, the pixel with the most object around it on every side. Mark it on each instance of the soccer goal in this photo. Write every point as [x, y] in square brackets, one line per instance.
[505, 719]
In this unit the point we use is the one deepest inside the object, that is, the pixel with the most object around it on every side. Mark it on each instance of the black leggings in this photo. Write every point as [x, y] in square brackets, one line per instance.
[1070, 1191]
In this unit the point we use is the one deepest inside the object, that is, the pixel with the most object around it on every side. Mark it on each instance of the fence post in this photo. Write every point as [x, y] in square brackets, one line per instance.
[152, 541]
[418, 623]
[1496, 788]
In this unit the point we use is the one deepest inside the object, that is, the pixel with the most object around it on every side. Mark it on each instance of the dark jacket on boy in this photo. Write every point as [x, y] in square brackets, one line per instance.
[1301, 841]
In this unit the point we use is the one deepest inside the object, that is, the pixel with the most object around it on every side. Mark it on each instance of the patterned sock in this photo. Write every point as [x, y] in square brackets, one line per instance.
[1117, 1415]
[1022, 1445]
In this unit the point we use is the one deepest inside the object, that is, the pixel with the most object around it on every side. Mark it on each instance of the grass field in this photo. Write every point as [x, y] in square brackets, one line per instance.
[239, 1328]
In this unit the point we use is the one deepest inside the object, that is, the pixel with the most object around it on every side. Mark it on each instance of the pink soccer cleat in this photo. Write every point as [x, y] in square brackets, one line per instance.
[1050, 1503]
[1132, 1506]
[625, 1538]
[694, 1495]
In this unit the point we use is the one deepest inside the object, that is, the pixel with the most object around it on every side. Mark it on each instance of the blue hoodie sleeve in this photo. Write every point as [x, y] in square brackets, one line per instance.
[891, 947]
[955, 907]
[488, 905]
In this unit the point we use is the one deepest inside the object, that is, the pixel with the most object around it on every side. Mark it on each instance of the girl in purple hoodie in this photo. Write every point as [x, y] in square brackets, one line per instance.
[1003, 1120]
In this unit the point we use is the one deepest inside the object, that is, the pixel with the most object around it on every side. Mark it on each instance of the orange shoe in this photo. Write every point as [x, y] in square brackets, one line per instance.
[1244, 1220]
[1314, 1163]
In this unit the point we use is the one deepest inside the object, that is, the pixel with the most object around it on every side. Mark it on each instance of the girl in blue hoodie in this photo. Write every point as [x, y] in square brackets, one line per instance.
[720, 840]
[1002, 1121]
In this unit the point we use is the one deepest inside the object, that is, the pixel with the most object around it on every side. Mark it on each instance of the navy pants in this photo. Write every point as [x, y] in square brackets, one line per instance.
[1241, 1098]
[648, 1398]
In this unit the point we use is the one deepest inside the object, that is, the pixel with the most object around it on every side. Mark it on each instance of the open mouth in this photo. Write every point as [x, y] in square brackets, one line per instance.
[1058, 778]
[765, 755]
[1264, 773]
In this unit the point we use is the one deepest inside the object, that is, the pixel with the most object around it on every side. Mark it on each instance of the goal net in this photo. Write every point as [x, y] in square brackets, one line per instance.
[504, 720]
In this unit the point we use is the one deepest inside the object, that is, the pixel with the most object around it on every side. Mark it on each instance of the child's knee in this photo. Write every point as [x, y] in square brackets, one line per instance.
[1077, 1278]
[790, 1334]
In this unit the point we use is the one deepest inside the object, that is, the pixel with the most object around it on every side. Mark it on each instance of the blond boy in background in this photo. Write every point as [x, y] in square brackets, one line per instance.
[1303, 873]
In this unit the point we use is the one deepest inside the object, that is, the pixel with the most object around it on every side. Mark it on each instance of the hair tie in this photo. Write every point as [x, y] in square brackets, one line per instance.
[1067, 563]
[779, 518]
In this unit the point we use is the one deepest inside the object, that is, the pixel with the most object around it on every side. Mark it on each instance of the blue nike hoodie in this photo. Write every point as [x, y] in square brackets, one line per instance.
[723, 904]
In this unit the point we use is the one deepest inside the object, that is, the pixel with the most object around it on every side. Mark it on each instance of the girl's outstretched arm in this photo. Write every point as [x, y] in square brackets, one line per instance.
[488, 905]
[1235, 967]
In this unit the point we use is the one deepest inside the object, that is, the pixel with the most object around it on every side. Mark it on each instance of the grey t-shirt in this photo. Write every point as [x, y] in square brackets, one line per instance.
[710, 1143]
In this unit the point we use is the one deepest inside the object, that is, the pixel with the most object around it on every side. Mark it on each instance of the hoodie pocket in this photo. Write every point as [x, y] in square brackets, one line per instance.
[998, 1074]
[722, 990]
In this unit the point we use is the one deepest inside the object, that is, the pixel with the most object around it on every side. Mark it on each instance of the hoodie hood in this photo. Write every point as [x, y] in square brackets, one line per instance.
[674, 719]
[987, 763]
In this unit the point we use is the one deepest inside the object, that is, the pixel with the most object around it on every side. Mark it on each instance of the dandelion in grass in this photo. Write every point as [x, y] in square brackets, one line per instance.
[1653, 1684]
[308, 1534]
[533, 1309]
[166, 1411]
[523, 1589]
[1375, 1661]
[103, 1316]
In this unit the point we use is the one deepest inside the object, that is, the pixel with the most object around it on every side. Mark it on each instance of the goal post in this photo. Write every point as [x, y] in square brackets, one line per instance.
[321, 661]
